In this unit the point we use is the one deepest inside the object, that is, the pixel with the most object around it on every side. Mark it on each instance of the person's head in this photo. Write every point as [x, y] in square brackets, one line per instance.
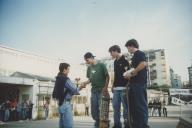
[64, 69]
[132, 45]
[89, 58]
[114, 51]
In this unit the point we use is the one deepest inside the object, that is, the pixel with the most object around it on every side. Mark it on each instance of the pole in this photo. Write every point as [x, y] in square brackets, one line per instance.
[149, 75]
[180, 104]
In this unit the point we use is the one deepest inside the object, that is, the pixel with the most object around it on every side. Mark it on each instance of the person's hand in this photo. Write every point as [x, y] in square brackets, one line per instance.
[127, 77]
[82, 86]
[134, 73]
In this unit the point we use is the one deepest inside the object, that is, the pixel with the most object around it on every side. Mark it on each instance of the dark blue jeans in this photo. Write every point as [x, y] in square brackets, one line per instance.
[138, 105]
[95, 105]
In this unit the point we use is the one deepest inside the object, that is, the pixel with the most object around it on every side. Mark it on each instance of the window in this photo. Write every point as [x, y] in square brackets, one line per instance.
[162, 53]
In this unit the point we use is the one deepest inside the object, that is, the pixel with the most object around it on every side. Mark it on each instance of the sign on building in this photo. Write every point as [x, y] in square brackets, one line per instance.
[180, 92]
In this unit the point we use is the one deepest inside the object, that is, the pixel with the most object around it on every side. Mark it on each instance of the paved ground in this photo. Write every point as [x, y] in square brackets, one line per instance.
[86, 122]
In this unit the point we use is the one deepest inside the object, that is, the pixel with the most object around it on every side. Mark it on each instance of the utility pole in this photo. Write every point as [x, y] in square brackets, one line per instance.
[149, 75]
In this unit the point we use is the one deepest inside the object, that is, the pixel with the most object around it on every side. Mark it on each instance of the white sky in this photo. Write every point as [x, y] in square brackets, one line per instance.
[67, 29]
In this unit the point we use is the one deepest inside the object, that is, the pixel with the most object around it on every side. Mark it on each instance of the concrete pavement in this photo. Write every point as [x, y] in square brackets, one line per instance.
[86, 122]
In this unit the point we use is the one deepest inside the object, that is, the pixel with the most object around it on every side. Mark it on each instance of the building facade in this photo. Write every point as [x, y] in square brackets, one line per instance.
[26, 76]
[158, 73]
[175, 79]
[190, 75]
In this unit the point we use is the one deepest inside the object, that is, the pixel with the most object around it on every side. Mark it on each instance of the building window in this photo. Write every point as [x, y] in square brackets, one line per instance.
[162, 53]
[152, 56]
[153, 75]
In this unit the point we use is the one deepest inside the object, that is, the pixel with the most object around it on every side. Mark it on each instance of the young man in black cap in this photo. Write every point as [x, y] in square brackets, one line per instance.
[138, 85]
[121, 65]
[98, 76]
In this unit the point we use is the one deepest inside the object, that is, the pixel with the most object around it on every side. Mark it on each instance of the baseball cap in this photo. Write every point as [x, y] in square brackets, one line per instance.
[88, 55]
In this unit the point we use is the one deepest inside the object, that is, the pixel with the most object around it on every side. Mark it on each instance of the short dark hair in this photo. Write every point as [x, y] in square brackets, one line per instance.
[63, 66]
[132, 43]
[115, 48]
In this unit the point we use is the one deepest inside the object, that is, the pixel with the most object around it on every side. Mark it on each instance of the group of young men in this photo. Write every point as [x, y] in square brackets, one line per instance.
[134, 100]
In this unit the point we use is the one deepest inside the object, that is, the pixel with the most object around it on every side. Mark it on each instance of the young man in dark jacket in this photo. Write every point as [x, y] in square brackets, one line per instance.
[138, 85]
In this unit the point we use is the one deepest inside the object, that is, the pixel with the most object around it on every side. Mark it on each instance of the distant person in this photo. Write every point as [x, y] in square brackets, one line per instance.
[138, 85]
[30, 109]
[13, 112]
[7, 107]
[63, 91]
[25, 109]
[155, 108]
[119, 90]
[98, 76]
[159, 108]
[86, 109]
[19, 111]
[46, 108]
[164, 111]
[150, 107]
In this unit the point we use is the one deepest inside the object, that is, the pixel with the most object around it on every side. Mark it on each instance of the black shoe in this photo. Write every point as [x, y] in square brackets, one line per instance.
[96, 124]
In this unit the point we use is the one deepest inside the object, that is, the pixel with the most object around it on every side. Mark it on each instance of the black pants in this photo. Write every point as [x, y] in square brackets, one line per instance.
[30, 114]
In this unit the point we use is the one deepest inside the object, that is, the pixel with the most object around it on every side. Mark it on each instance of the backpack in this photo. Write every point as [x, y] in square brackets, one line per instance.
[59, 91]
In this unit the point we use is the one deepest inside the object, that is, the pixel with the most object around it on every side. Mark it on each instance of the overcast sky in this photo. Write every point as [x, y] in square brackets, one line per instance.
[69, 28]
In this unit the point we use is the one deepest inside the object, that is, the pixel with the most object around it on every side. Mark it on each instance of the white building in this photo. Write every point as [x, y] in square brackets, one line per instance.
[190, 75]
[175, 79]
[28, 76]
[158, 72]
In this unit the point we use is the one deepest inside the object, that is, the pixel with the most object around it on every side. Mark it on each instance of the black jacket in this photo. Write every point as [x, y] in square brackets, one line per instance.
[59, 90]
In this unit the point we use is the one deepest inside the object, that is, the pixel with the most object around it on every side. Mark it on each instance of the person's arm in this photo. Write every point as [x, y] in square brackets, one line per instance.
[105, 89]
[112, 82]
[140, 67]
[113, 79]
[86, 82]
[88, 76]
[69, 85]
[141, 59]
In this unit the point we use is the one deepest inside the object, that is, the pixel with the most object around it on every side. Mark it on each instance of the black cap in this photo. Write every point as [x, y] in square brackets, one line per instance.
[88, 55]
